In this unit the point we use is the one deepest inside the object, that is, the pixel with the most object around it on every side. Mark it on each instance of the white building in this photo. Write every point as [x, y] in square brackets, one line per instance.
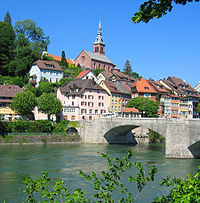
[49, 70]
[197, 87]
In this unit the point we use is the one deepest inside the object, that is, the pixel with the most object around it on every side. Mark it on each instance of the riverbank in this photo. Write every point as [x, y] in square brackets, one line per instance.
[39, 139]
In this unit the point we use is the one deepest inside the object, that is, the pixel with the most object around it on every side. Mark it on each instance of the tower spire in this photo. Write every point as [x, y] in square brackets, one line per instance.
[99, 45]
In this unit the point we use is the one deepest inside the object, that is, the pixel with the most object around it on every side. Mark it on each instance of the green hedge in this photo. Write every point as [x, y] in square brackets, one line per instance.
[39, 126]
[61, 126]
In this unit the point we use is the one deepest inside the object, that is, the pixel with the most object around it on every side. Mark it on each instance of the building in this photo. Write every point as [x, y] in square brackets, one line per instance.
[97, 59]
[7, 92]
[87, 74]
[58, 58]
[131, 113]
[142, 88]
[163, 97]
[189, 97]
[117, 99]
[45, 70]
[197, 87]
[115, 76]
[83, 99]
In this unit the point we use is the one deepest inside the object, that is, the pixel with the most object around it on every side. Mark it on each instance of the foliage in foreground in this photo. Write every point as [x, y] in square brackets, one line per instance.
[104, 185]
[156, 9]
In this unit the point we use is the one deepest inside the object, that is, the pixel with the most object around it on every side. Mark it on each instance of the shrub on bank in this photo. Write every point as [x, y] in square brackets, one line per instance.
[39, 126]
[155, 137]
[61, 126]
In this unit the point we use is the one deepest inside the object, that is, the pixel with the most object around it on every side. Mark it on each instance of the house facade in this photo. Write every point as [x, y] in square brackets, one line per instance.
[96, 59]
[117, 98]
[7, 92]
[45, 70]
[83, 100]
[87, 74]
[185, 100]
[197, 87]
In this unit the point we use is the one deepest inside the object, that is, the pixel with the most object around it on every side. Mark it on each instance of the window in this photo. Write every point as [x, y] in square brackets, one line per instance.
[72, 103]
[83, 96]
[96, 49]
[100, 97]
[90, 111]
[147, 95]
[146, 88]
[83, 111]
[50, 66]
[90, 103]
[83, 103]
[96, 111]
[73, 97]
[73, 118]
[56, 79]
[90, 97]
[101, 104]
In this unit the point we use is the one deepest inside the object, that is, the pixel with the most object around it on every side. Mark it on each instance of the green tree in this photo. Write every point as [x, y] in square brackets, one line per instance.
[7, 37]
[135, 75]
[49, 104]
[44, 87]
[156, 9]
[29, 34]
[63, 60]
[23, 103]
[127, 68]
[7, 18]
[97, 71]
[144, 105]
[29, 44]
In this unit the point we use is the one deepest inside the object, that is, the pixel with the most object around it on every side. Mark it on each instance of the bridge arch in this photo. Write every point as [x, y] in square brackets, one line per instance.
[72, 130]
[123, 134]
[195, 149]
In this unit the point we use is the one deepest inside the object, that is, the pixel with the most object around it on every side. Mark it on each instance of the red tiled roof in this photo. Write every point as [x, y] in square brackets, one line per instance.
[9, 90]
[131, 110]
[43, 65]
[58, 58]
[82, 74]
[158, 86]
[143, 86]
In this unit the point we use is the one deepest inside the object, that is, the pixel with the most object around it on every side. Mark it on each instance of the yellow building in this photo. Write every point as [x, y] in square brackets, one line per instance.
[7, 92]
[116, 97]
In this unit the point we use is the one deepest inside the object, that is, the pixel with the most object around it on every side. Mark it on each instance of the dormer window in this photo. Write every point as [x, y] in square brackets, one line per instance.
[146, 88]
[50, 66]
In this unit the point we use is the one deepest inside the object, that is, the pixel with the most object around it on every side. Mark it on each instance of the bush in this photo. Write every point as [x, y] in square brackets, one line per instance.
[61, 126]
[45, 125]
[155, 137]
[3, 129]
[19, 126]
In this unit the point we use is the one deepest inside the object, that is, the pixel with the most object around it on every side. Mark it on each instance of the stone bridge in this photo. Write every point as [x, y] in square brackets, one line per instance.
[182, 136]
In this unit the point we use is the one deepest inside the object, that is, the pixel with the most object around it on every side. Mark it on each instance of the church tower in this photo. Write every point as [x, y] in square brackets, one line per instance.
[99, 45]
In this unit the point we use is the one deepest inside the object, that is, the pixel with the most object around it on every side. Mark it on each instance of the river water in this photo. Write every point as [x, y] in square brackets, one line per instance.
[65, 160]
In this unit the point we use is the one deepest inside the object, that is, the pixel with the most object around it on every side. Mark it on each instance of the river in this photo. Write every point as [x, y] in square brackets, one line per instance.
[64, 160]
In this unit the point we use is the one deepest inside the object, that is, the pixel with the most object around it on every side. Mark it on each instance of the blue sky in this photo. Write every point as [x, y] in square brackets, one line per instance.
[169, 46]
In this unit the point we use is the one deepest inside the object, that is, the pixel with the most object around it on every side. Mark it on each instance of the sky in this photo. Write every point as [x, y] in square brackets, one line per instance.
[169, 46]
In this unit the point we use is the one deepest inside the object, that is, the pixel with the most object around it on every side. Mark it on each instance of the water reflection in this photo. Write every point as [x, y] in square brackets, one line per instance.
[64, 161]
